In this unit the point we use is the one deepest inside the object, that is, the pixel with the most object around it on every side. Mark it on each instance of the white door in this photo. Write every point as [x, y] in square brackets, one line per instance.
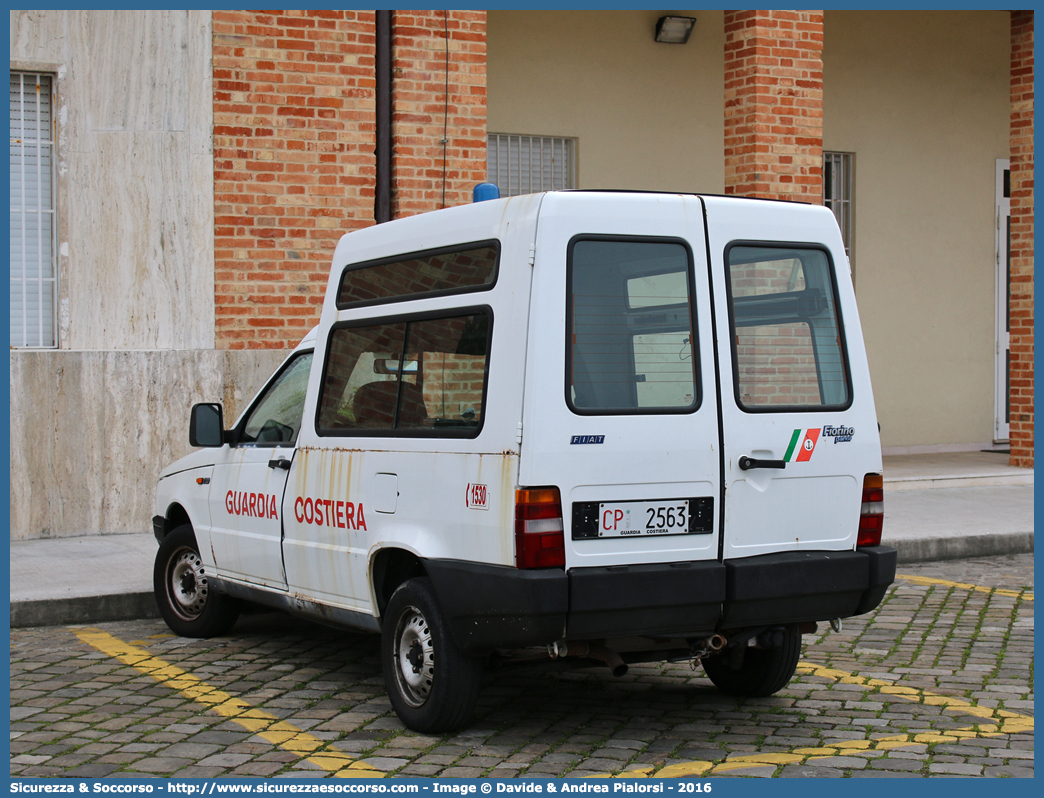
[246, 495]
[401, 407]
[620, 407]
[797, 410]
[1003, 295]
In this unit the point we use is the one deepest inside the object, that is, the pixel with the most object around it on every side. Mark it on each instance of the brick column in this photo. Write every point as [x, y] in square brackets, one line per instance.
[1021, 307]
[774, 104]
[421, 114]
[293, 164]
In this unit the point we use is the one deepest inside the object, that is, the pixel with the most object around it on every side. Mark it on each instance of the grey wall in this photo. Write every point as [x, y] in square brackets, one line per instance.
[135, 187]
[644, 115]
[94, 421]
[921, 98]
[91, 431]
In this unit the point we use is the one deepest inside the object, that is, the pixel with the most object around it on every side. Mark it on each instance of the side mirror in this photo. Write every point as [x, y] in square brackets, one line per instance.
[206, 425]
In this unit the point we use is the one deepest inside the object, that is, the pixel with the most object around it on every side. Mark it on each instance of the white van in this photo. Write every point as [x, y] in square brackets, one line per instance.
[614, 427]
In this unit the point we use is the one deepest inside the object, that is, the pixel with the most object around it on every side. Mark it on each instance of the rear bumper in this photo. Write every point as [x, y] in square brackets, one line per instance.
[494, 606]
[490, 607]
[791, 587]
[665, 600]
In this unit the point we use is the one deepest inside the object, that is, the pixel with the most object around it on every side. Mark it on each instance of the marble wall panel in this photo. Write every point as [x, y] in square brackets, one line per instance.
[134, 119]
[90, 431]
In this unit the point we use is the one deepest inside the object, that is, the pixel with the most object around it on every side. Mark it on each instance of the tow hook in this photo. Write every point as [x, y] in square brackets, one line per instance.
[835, 624]
[701, 648]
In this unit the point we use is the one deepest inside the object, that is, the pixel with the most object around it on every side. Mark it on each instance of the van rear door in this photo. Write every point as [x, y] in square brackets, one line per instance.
[798, 415]
[621, 413]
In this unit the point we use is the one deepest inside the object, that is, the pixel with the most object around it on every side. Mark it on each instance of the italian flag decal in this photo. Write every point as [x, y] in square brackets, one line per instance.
[808, 445]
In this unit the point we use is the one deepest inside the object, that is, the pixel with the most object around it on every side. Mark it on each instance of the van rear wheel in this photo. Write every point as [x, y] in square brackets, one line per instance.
[433, 685]
[763, 671]
[186, 599]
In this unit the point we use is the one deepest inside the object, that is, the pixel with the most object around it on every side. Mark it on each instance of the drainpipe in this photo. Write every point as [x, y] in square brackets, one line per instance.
[382, 189]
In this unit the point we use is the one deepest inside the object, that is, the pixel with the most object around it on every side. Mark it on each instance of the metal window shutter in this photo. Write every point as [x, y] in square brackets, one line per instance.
[527, 164]
[32, 211]
[837, 192]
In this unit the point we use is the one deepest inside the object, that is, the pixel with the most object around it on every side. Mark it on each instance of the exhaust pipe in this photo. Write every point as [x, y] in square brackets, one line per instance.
[699, 649]
[563, 648]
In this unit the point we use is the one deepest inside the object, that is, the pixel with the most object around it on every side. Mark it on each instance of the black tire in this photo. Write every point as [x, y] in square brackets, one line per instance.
[764, 670]
[433, 686]
[187, 602]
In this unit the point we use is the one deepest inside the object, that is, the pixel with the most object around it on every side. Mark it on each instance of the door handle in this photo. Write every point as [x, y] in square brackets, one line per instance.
[279, 463]
[747, 463]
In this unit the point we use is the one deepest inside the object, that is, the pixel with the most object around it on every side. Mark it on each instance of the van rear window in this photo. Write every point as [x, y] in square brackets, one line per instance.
[469, 267]
[630, 324]
[418, 376]
[787, 340]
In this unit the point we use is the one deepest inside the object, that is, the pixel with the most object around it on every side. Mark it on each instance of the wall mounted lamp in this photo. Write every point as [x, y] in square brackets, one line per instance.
[674, 30]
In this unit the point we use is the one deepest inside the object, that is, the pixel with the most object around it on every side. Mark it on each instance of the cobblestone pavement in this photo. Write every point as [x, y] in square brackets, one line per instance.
[937, 682]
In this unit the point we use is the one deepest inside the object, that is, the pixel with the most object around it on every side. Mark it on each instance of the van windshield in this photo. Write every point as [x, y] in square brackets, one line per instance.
[787, 340]
[275, 419]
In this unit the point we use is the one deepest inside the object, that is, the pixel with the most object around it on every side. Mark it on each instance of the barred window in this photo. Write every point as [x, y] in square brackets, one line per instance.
[32, 211]
[527, 164]
[837, 192]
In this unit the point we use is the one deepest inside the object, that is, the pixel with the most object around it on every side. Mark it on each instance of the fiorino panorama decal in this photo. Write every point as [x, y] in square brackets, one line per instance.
[810, 437]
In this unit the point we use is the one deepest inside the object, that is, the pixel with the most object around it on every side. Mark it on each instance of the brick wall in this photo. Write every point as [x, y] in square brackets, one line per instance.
[1021, 134]
[294, 139]
[774, 104]
[420, 113]
[293, 163]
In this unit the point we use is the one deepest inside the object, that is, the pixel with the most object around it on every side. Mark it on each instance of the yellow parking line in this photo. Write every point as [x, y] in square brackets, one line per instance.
[265, 725]
[289, 737]
[1004, 722]
[930, 580]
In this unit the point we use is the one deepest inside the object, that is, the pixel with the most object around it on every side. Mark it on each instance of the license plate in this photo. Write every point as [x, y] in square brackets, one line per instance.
[633, 519]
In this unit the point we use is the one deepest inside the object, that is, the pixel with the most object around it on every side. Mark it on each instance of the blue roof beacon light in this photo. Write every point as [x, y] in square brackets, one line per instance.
[485, 191]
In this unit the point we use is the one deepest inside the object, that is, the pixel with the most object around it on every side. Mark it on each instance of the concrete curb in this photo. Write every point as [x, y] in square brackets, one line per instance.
[961, 547]
[933, 483]
[84, 609]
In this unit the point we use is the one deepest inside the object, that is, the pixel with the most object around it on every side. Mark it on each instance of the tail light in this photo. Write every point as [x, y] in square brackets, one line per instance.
[539, 531]
[871, 516]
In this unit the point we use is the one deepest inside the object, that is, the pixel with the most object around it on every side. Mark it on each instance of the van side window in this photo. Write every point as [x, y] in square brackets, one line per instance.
[276, 417]
[431, 273]
[630, 323]
[418, 376]
[788, 345]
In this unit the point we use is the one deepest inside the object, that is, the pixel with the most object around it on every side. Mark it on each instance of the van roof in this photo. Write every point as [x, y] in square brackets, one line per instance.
[670, 193]
[479, 220]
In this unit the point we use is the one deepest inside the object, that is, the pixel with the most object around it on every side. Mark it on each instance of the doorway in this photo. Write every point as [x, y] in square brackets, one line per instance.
[1002, 393]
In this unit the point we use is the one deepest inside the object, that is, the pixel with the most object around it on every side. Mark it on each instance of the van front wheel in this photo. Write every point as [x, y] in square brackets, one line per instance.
[186, 599]
[433, 686]
[763, 671]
